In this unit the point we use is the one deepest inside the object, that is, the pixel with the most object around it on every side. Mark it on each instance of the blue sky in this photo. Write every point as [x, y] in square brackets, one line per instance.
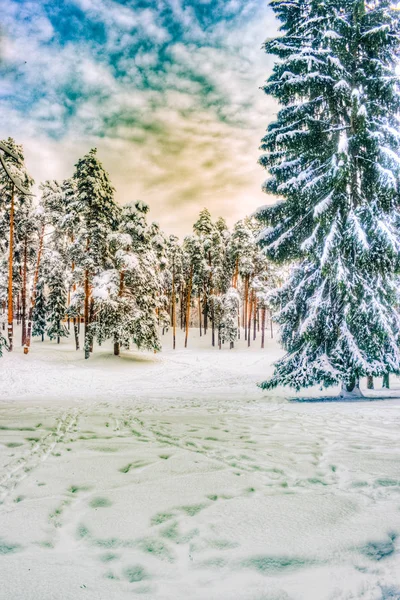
[168, 91]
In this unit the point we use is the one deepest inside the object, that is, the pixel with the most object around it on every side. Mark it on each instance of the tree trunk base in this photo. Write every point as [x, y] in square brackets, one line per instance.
[385, 381]
[351, 394]
[10, 337]
[76, 333]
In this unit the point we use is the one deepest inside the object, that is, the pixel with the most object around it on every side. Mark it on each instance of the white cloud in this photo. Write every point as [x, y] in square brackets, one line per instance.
[173, 144]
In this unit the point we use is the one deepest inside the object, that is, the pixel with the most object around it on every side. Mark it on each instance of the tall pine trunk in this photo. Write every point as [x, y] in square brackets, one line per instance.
[249, 320]
[205, 310]
[18, 308]
[117, 345]
[212, 323]
[199, 304]
[23, 294]
[76, 333]
[245, 305]
[188, 298]
[86, 314]
[255, 317]
[91, 319]
[33, 297]
[173, 309]
[236, 274]
[263, 310]
[10, 275]
[68, 305]
[181, 305]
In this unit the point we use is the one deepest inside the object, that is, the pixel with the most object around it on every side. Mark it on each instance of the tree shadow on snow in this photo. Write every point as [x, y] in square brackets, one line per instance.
[127, 356]
[341, 399]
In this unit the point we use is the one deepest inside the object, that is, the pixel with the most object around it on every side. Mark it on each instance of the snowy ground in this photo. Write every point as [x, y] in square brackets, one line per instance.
[173, 477]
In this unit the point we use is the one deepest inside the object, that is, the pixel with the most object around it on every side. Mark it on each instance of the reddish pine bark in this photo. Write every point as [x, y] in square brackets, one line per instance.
[117, 346]
[10, 275]
[199, 304]
[189, 295]
[173, 309]
[33, 298]
[249, 320]
[23, 295]
[262, 326]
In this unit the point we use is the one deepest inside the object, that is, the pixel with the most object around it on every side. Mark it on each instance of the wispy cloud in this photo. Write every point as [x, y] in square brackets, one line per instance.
[167, 90]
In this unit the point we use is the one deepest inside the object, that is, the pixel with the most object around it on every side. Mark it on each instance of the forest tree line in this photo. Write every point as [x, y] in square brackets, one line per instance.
[73, 257]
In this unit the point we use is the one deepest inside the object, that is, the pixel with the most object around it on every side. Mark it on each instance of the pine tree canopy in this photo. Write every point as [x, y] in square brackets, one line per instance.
[334, 163]
[75, 254]
[96, 204]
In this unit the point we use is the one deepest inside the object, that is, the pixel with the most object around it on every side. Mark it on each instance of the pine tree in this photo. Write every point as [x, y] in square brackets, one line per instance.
[192, 260]
[26, 248]
[99, 217]
[244, 254]
[204, 229]
[127, 296]
[230, 304]
[68, 226]
[175, 257]
[16, 205]
[39, 312]
[333, 157]
[159, 244]
[3, 344]
[57, 299]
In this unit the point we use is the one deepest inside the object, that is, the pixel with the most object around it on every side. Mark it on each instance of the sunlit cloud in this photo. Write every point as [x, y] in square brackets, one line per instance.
[168, 91]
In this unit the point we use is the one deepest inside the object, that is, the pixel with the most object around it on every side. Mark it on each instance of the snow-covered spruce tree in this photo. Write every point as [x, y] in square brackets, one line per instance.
[57, 297]
[26, 248]
[244, 255]
[216, 307]
[126, 297]
[159, 244]
[204, 229]
[192, 260]
[15, 208]
[39, 311]
[175, 267]
[225, 310]
[333, 156]
[222, 262]
[229, 325]
[214, 272]
[99, 216]
[219, 272]
[62, 220]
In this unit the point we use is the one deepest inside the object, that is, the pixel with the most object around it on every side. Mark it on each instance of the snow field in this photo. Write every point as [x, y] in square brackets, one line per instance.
[172, 476]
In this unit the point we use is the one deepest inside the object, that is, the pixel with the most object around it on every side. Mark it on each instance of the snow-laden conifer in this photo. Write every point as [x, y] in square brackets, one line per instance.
[99, 216]
[18, 226]
[39, 312]
[126, 297]
[333, 157]
[56, 306]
